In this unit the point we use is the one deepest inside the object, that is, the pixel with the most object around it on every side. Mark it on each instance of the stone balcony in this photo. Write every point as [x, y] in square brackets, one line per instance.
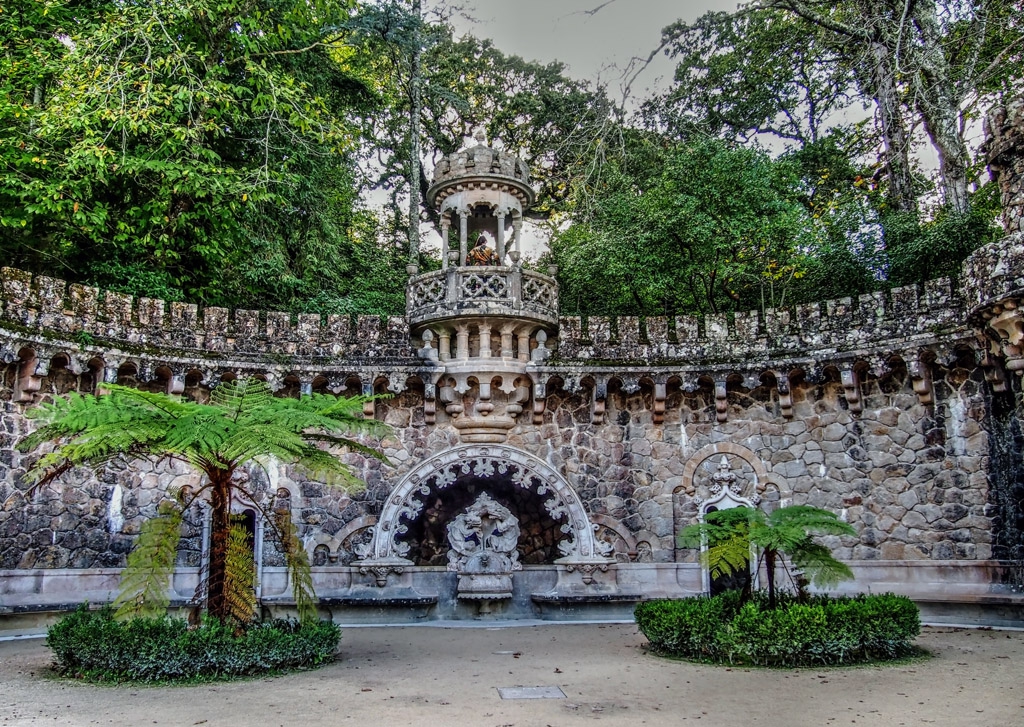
[482, 291]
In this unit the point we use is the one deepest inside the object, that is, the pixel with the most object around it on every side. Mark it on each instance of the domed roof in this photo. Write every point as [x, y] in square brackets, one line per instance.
[481, 164]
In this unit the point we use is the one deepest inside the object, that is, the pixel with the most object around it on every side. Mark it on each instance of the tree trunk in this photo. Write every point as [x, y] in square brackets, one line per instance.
[894, 131]
[220, 525]
[769, 566]
[938, 103]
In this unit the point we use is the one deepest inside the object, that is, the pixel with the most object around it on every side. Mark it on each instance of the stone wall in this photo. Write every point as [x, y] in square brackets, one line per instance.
[909, 476]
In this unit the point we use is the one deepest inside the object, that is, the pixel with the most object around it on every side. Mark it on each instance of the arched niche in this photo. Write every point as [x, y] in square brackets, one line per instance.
[406, 502]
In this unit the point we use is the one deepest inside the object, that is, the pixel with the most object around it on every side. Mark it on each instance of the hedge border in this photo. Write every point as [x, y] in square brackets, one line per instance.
[816, 631]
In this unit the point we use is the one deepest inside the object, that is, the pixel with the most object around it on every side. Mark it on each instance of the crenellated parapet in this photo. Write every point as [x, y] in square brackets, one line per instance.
[84, 314]
[890, 318]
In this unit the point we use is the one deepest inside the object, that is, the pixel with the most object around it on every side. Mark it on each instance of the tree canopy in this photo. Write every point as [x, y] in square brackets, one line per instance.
[225, 152]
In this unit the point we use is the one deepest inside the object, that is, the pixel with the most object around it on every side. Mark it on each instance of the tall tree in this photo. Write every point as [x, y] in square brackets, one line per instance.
[162, 125]
[928, 50]
[699, 226]
[243, 424]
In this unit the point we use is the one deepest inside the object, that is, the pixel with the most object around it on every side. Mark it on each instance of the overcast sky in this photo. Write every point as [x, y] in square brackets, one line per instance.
[595, 46]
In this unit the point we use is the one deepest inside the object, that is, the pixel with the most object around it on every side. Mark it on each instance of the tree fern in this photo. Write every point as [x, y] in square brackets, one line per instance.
[240, 576]
[727, 537]
[299, 570]
[146, 580]
[243, 423]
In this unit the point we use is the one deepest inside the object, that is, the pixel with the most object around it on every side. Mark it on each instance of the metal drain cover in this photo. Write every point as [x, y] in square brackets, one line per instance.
[531, 693]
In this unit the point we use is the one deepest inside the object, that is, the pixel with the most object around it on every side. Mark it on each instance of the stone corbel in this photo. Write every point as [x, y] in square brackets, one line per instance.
[539, 400]
[484, 405]
[429, 403]
[1008, 326]
[30, 380]
[519, 396]
[452, 403]
[921, 379]
[660, 395]
[721, 402]
[598, 402]
[369, 409]
[994, 373]
[785, 395]
[851, 385]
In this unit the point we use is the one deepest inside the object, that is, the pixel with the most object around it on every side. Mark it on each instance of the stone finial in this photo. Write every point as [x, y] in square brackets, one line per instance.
[480, 135]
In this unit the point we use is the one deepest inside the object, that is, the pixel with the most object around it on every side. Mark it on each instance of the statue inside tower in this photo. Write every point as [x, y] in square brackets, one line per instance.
[482, 254]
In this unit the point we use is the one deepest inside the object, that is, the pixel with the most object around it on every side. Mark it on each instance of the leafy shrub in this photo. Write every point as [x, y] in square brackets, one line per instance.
[819, 630]
[94, 645]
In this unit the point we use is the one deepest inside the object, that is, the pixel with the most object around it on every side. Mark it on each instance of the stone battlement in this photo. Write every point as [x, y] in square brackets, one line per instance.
[83, 313]
[900, 314]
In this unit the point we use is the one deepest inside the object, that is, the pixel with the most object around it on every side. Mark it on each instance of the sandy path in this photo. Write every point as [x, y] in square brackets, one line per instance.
[450, 676]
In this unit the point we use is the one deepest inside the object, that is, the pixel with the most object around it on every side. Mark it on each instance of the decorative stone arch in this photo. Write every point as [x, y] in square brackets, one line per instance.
[727, 448]
[525, 470]
[616, 526]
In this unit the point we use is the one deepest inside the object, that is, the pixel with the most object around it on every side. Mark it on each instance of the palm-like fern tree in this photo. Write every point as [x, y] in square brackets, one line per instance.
[788, 531]
[243, 423]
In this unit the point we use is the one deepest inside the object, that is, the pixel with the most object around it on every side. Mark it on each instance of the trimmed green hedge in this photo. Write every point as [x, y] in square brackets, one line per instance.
[820, 630]
[91, 644]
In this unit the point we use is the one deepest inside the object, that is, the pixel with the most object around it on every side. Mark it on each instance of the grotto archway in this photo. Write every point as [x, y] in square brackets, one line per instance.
[511, 474]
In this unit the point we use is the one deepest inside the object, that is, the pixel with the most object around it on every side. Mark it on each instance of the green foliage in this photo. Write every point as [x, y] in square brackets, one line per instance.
[920, 251]
[728, 536]
[95, 646]
[240, 576]
[179, 149]
[821, 630]
[746, 74]
[146, 580]
[701, 226]
[244, 423]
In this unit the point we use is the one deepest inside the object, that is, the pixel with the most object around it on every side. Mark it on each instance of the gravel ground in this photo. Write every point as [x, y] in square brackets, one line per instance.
[451, 677]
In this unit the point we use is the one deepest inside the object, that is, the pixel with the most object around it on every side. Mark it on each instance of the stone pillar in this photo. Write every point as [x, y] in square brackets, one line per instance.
[463, 236]
[445, 223]
[501, 237]
[462, 342]
[506, 341]
[517, 233]
[444, 345]
[524, 345]
[484, 331]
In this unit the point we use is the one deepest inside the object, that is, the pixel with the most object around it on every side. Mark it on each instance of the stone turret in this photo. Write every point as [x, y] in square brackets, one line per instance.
[481, 191]
[482, 326]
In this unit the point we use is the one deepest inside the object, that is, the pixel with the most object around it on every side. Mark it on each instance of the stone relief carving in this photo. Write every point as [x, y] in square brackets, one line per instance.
[483, 542]
[407, 501]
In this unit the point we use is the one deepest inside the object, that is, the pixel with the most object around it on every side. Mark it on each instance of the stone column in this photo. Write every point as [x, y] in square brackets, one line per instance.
[501, 237]
[524, 345]
[517, 233]
[444, 345]
[445, 224]
[462, 341]
[484, 331]
[463, 235]
[1004, 132]
[506, 342]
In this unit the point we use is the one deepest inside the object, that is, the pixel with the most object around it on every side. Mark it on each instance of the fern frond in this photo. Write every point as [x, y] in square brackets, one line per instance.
[727, 557]
[819, 565]
[147, 578]
[298, 568]
[240, 576]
